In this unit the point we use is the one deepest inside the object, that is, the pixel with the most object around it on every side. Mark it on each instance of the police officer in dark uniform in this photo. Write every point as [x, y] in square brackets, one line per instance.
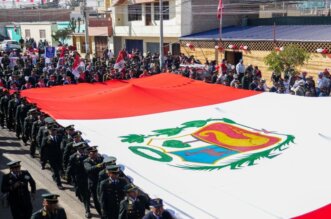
[15, 184]
[157, 211]
[69, 149]
[112, 193]
[13, 103]
[43, 133]
[34, 132]
[50, 209]
[103, 174]
[4, 108]
[50, 148]
[77, 171]
[133, 206]
[27, 127]
[21, 113]
[93, 165]
[67, 137]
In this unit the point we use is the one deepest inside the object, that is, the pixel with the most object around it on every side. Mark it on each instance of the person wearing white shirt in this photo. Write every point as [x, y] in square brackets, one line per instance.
[240, 69]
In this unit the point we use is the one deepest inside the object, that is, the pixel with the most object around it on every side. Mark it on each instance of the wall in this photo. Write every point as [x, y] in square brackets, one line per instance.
[201, 53]
[34, 15]
[316, 64]
[34, 30]
[148, 40]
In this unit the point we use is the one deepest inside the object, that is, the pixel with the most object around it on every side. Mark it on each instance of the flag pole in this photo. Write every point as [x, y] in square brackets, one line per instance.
[220, 17]
[221, 23]
[274, 34]
[161, 33]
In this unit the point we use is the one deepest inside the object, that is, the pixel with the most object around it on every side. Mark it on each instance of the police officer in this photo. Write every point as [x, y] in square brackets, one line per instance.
[112, 193]
[50, 209]
[27, 127]
[93, 165]
[50, 148]
[77, 171]
[133, 205]
[69, 149]
[157, 211]
[15, 184]
[103, 174]
[43, 133]
[67, 137]
[34, 132]
[4, 108]
[13, 103]
[21, 113]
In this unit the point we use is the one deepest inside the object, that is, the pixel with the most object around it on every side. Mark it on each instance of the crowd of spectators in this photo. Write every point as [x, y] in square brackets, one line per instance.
[19, 71]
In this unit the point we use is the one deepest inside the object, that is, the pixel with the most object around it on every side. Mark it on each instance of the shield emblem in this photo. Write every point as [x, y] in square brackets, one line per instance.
[213, 144]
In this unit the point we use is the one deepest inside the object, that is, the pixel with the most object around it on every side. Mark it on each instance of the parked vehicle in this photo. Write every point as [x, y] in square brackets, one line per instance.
[9, 45]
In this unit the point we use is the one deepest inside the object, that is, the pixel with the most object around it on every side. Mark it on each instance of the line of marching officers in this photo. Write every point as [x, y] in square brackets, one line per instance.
[69, 157]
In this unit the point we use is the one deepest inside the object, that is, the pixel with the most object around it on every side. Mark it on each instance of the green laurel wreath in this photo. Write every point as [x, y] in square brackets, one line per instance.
[249, 160]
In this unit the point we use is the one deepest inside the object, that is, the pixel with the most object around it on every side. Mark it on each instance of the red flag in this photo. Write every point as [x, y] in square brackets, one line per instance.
[63, 50]
[31, 1]
[120, 60]
[76, 62]
[220, 9]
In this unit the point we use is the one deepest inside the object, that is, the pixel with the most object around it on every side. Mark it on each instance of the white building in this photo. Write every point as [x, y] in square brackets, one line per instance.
[136, 22]
[39, 31]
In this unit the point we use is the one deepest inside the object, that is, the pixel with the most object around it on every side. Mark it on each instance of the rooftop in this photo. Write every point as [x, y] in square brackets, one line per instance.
[293, 33]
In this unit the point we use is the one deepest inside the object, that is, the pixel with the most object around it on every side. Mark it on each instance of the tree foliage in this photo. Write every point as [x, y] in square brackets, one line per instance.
[62, 34]
[287, 60]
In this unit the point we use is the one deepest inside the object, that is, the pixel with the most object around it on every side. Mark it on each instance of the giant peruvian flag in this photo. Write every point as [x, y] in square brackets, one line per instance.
[209, 151]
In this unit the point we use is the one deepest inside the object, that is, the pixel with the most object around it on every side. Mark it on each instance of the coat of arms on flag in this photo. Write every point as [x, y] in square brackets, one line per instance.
[209, 144]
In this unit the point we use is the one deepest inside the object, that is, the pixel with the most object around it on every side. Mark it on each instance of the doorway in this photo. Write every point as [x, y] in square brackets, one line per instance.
[233, 57]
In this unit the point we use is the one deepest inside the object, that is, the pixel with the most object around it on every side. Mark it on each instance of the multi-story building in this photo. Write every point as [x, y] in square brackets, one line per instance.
[136, 23]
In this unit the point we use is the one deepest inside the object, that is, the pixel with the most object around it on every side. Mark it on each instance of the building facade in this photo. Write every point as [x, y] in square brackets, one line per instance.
[39, 31]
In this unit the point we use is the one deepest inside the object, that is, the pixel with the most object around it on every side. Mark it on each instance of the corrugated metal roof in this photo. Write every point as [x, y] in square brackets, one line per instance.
[308, 33]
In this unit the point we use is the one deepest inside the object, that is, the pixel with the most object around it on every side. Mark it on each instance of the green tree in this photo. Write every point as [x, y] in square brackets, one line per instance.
[72, 24]
[62, 34]
[287, 60]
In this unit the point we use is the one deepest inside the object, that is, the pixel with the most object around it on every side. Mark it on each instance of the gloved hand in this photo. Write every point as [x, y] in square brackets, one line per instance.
[100, 165]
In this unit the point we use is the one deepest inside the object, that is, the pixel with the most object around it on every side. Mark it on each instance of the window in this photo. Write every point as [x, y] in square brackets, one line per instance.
[134, 12]
[27, 33]
[100, 3]
[165, 11]
[148, 13]
[42, 34]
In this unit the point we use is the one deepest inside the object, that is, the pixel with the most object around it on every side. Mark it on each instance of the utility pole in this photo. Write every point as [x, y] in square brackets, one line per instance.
[87, 40]
[161, 34]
